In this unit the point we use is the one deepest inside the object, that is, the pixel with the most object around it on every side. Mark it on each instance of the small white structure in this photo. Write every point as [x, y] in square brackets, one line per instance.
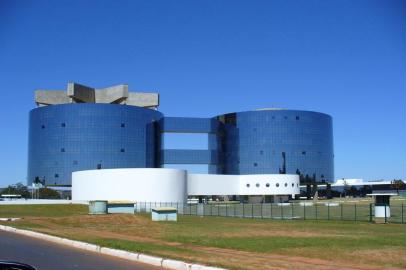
[174, 185]
[357, 182]
[10, 197]
[120, 207]
[382, 204]
[164, 214]
[97, 207]
[349, 182]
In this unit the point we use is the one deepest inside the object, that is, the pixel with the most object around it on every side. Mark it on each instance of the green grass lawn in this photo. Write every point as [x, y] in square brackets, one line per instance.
[235, 243]
[42, 210]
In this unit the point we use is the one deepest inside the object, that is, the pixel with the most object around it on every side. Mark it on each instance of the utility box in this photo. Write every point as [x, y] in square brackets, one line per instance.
[97, 207]
[120, 207]
[382, 205]
[164, 214]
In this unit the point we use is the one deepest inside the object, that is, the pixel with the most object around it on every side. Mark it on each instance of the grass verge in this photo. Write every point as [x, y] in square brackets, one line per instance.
[234, 243]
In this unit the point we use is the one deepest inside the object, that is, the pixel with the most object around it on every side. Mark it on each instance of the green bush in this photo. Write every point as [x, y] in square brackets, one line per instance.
[47, 193]
[17, 189]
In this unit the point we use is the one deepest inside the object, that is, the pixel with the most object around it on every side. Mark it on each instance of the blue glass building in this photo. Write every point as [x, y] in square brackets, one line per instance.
[90, 128]
[72, 137]
[277, 141]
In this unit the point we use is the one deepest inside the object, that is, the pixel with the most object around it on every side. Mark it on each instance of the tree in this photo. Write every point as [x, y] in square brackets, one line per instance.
[366, 190]
[397, 184]
[346, 187]
[17, 189]
[47, 193]
[353, 191]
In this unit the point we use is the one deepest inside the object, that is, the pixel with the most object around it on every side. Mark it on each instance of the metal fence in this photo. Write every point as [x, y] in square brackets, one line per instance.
[284, 211]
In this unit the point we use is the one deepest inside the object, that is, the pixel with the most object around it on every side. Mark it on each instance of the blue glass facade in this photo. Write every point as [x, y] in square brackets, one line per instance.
[188, 156]
[82, 136]
[190, 125]
[276, 141]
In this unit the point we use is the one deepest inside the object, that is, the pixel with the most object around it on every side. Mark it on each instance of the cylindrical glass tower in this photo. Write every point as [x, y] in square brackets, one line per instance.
[81, 136]
[272, 141]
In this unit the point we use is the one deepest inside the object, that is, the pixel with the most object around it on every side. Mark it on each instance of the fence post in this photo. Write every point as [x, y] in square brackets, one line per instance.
[402, 214]
[271, 216]
[211, 209]
[291, 214]
[218, 209]
[370, 212]
[355, 212]
[304, 211]
[281, 211]
[341, 211]
[328, 211]
[226, 211]
[243, 210]
[252, 210]
[316, 209]
[385, 214]
[262, 204]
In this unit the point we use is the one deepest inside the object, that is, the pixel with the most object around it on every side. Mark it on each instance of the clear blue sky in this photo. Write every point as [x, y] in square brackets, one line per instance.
[344, 58]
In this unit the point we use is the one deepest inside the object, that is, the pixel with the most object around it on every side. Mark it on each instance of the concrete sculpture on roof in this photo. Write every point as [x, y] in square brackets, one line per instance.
[77, 93]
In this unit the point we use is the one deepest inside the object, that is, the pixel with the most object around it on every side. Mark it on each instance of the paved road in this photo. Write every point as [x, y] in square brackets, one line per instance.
[50, 256]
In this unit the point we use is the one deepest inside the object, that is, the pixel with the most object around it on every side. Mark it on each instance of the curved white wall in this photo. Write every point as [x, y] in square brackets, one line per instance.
[141, 185]
[173, 185]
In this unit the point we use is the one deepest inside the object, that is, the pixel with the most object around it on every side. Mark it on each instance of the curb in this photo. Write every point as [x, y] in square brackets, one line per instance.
[138, 257]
